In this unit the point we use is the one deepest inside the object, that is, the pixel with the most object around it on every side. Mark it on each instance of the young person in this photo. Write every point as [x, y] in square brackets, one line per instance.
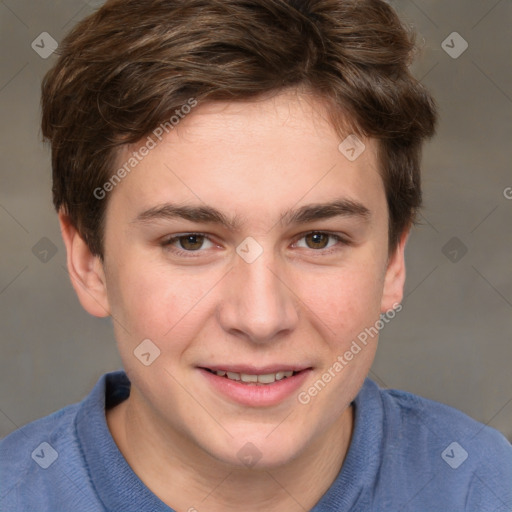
[235, 182]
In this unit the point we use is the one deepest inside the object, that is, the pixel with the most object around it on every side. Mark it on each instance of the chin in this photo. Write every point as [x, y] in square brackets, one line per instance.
[258, 451]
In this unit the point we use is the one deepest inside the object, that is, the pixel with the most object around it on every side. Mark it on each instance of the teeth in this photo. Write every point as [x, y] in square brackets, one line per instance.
[245, 377]
[267, 378]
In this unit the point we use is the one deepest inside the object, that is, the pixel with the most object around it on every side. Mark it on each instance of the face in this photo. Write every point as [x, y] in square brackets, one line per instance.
[247, 242]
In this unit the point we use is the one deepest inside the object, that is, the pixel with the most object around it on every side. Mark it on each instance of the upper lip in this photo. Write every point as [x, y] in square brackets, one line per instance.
[253, 370]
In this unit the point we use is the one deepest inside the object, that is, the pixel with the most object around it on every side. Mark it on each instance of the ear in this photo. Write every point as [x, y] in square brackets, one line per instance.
[394, 280]
[85, 269]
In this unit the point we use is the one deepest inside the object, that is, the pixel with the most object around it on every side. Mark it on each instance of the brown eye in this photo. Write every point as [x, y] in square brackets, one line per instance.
[185, 245]
[191, 242]
[322, 242]
[317, 240]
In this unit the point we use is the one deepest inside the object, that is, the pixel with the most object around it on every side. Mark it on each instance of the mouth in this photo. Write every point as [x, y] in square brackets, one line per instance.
[254, 378]
[255, 387]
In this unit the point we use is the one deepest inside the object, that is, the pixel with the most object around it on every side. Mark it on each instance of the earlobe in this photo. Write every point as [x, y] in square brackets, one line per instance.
[395, 276]
[85, 270]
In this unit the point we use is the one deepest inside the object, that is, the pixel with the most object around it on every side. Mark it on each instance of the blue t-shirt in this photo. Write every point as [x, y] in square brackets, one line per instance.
[406, 454]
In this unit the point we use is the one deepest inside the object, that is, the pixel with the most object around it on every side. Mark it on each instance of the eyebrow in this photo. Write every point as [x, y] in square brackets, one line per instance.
[208, 214]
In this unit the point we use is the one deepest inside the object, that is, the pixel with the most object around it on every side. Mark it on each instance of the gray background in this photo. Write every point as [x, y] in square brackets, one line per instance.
[452, 340]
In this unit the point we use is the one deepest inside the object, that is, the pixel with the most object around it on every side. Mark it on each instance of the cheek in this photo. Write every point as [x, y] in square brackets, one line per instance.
[155, 303]
[344, 300]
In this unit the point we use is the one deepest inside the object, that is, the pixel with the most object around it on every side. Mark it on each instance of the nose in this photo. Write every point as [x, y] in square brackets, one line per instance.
[259, 304]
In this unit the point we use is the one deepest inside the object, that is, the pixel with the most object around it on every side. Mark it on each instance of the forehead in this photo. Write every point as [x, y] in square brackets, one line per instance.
[279, 116]
[250, 156]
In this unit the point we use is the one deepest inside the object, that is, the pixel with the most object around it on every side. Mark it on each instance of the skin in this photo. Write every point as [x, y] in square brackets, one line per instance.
[296, 303]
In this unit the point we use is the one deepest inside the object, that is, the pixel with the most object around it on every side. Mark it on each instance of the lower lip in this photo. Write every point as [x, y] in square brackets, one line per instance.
[256, 395]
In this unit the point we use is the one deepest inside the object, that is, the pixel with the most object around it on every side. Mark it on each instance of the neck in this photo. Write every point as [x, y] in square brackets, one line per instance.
[186, 478]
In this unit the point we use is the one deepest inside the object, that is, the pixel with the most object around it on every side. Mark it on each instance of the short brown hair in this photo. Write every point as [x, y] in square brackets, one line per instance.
[125, 69]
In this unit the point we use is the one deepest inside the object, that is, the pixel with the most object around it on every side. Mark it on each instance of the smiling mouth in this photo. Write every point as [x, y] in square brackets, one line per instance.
[246, 378]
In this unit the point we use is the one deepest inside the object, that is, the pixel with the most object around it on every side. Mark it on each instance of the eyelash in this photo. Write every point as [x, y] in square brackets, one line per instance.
[167, 243]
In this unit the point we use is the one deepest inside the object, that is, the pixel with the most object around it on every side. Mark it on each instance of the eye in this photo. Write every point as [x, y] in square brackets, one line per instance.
[320, 240]
[186, 243]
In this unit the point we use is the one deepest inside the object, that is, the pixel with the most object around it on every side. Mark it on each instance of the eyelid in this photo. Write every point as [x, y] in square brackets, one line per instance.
[340, 236]
[169, 240]
[341, 239]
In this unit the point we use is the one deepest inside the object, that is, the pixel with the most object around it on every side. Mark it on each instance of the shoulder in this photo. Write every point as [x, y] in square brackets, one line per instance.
[54, 430]
[417, 413]
[41, 464]
[435, 450]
